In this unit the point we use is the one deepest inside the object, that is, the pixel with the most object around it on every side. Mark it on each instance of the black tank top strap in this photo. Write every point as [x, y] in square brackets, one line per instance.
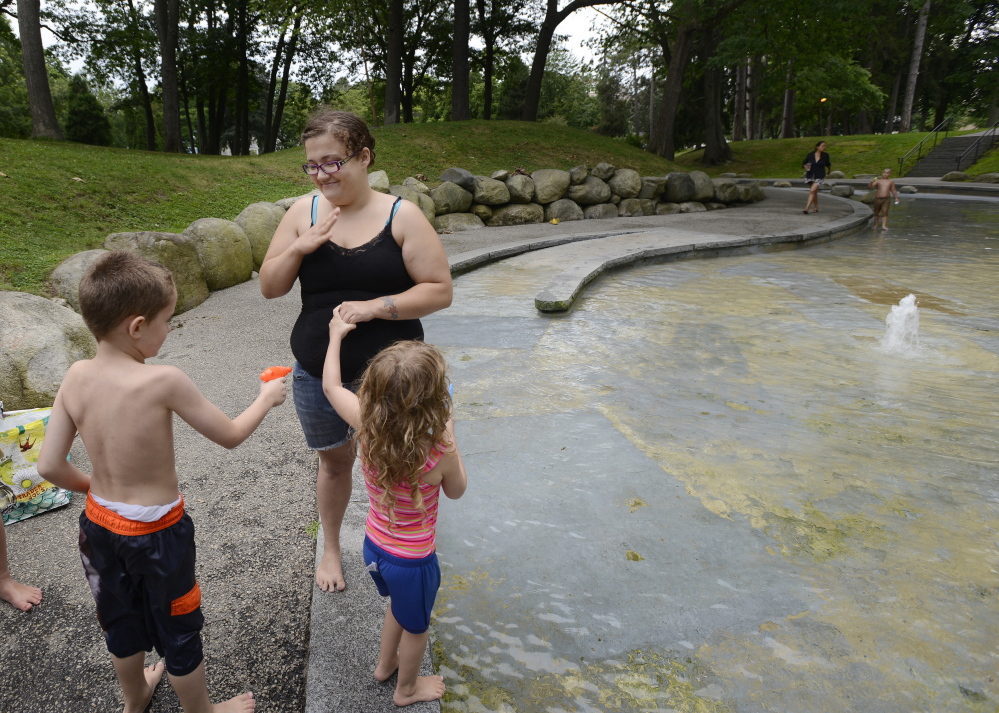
[315, 209]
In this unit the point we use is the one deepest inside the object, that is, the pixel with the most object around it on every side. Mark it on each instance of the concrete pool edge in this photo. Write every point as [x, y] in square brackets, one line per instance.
[563, 290]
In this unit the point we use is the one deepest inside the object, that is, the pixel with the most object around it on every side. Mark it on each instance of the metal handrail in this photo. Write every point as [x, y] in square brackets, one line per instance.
[919, 147]
[989, 134]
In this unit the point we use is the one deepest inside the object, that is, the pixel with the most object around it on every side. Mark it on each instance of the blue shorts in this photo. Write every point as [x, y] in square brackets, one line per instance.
[322, 425]
[412, 585]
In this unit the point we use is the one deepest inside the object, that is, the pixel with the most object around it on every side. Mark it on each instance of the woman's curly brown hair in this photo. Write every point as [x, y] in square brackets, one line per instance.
[405, 407]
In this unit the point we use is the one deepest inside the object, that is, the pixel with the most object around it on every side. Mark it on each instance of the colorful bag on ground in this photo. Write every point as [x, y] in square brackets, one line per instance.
[23, 492]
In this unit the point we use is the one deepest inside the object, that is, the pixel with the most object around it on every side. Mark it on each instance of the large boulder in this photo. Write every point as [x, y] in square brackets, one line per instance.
[692, 207]
[224, 250]
[590, 192]
[416, 185]
[680, 187]
[518, 214]
[625, 183]
[710, 205]
[600, 211]
[65, 279]
[500, 175]
[422, 201]
[652, 187]
[456, 222]
[836, 174]
[603, 171]
[39, 340]
[259, 221]
[629, 208]
[459, 176]
[726, 190]
[550, 184]
[704, 189]
[483, 211]
[563, 209]
[489, 191]
[667, 208]
[843, 191]
[868, 198]
[987, 178]
[521, 188]
[451, 198]
[746, 193]
[758, 193]
[955, 176]
[782, 184]
[286, 203]
[648, 206]
[909, 189]
[175, 252]
[578, 174]
[379, 181]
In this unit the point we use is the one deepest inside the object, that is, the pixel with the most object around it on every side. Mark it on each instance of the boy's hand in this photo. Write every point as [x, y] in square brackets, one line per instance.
[274, 392]
[338, 327]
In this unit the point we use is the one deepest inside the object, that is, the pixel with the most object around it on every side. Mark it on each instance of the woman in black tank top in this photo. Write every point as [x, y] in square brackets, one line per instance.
[377, 257]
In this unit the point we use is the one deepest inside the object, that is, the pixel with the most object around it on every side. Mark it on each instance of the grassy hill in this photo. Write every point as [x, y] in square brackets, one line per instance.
[781, 158]
[46, 215]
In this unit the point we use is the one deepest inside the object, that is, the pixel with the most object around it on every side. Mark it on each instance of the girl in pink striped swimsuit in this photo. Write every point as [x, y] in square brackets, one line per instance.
[402, 418]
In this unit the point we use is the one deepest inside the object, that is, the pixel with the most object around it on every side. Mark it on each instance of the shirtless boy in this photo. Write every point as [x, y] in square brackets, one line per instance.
[885, 188]
[136, 542]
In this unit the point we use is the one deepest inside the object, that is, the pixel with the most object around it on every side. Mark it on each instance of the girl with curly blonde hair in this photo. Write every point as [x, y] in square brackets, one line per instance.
[405, 434]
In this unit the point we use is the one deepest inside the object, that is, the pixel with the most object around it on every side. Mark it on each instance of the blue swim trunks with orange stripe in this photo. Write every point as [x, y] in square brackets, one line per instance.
[142, 577]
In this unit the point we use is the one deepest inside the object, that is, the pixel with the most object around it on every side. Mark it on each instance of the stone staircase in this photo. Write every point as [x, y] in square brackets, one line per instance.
[943, 158]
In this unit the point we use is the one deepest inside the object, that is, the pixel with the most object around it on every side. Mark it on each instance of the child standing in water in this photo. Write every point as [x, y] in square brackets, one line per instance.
[136, 541]
[884, 188]
[405, 433]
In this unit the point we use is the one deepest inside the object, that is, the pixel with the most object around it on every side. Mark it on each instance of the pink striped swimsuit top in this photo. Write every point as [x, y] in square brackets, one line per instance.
[413, 534]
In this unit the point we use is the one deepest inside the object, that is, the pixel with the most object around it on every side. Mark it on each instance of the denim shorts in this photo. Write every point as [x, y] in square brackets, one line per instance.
[322, 425]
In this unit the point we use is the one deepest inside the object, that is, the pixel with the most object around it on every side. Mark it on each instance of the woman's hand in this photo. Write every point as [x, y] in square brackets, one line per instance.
[365, 311]
[322, 232]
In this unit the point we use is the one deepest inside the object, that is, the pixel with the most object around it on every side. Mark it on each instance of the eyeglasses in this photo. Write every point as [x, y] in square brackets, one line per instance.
[328, 168]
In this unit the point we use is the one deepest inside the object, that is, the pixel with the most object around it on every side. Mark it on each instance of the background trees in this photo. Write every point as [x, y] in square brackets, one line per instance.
[215, 76]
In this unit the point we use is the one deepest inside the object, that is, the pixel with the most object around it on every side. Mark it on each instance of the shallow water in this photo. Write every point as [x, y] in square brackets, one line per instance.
[707, 488]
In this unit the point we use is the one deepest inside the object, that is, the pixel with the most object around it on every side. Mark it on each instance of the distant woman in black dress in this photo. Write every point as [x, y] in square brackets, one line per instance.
[815, 165]
[377, 257]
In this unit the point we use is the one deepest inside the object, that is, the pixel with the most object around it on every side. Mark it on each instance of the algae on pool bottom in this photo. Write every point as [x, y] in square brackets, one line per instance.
[821, 521]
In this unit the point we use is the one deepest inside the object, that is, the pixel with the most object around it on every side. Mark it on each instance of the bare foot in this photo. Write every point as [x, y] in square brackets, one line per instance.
[21, 596]
[383, 672]
[428, 688]
[153, 675]
[329, 573]
[242, 703]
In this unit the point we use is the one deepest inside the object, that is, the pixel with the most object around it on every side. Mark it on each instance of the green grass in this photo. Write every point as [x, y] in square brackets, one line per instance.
[46, 216]
[781, 158]
[989, 163]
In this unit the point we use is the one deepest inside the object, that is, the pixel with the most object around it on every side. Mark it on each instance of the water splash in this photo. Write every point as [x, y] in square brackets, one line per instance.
[902, 334]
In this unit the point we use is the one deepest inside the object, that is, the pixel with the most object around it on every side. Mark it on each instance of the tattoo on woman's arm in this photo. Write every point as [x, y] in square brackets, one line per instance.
[393, 310]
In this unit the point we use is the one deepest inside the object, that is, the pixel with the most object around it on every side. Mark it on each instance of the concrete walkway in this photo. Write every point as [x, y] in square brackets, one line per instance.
[268, 628]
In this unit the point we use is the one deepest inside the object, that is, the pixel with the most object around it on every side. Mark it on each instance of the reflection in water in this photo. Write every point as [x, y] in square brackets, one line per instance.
[758, 383]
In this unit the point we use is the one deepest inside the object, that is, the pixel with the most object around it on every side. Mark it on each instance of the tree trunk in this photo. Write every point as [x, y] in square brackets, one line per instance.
[167, 19]
[917, 55]
[202, 126]
[187, 111]
[994, 109]
[739, 111]
[43, 119]
[269, 129]
[664, 143]
[893, 103]
[752, 85]
[393, 61]
[459, 63]
[787, 122]
[716, 149]
[285, 73]
[487, 77]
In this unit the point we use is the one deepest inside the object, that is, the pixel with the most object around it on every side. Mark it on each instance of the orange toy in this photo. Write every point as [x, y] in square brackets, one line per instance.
[275, 372]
